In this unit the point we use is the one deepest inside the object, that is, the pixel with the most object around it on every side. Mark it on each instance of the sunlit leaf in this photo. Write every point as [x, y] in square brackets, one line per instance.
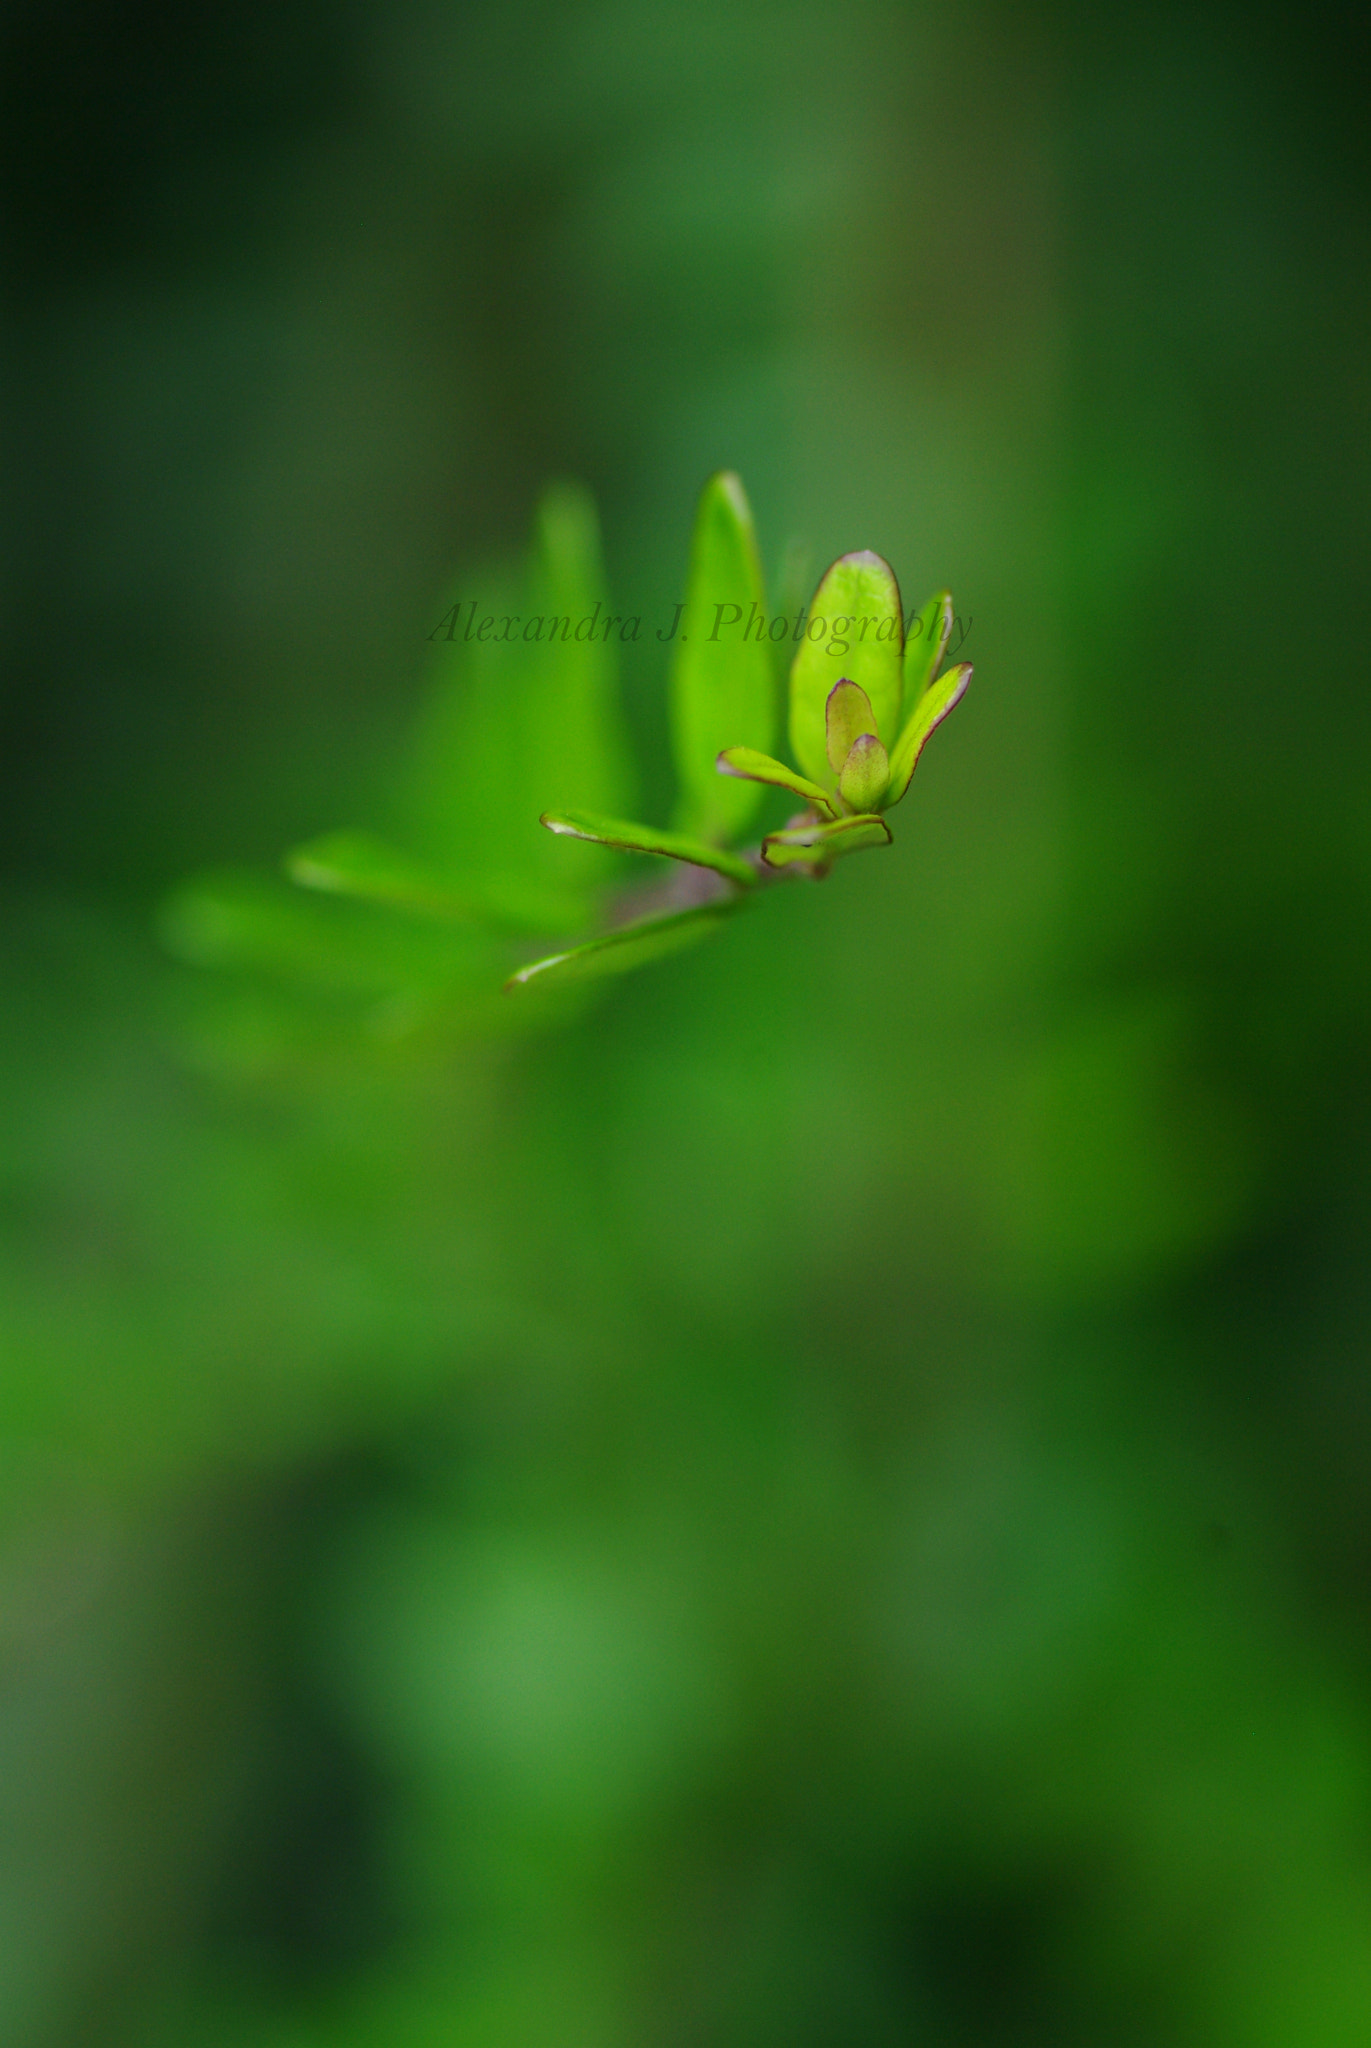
[940, 698]
[816, 847]
[866, 771]
[855, 631]
[755, 767]
[626, 838]
[632, 945]
[723, 685]
[924, 648]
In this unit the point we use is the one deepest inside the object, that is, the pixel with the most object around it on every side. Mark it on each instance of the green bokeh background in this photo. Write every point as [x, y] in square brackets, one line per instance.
[826, 1499]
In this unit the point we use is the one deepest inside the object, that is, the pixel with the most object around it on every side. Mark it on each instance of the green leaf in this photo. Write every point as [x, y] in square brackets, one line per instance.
[525, 716]
[368, 868]
[723, 686]
[933, 707]
[861, 640]
[924, 648]
[361, 864]
[847, 715]
[239, 920]
[866, 771]
[632, 945]
[576, 749]
[627, 838]
[816, 847]
[755, 767]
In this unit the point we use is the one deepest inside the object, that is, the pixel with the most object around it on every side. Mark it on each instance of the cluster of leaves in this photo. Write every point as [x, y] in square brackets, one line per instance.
[469, 864]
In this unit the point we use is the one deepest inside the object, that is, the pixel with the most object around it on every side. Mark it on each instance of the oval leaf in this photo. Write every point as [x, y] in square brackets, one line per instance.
[723, 686]
[866, 772]
[847, 715]
[860, 638]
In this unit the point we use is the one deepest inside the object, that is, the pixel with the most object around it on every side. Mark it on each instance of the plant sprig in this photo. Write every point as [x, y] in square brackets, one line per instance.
[424, 915]
[864, 702]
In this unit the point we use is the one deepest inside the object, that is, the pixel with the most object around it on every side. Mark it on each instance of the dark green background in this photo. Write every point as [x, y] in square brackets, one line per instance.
[826, 1501]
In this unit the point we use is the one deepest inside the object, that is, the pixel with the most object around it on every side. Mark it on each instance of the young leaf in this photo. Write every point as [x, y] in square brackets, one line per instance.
[646, 839]
[932, 708]
[925, 647]
[816, 847]
[755, 767]
[723, 688]
[847, 715]
[632, 945]
[855, 632]
[866, 771]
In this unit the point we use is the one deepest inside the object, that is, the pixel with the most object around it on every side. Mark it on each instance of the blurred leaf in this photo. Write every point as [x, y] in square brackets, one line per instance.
[576, 743]
[937, 701]
[858, 605]
[924, 647]
[755, 767]
[723, 686]
[866, 771]
[525, 716]
[627, 838]
[241, 920]
[632, 945]
[816, 847]
[365, 866]
[362, 864]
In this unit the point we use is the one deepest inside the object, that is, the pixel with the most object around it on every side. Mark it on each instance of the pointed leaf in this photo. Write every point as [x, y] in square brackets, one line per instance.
[755, 767]
[942, 697]
[816, 847]
[723, 685]
[628, 838]
[866, 772]
[855, 631]
[847, 715]
[632, 945]
[924, 648]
